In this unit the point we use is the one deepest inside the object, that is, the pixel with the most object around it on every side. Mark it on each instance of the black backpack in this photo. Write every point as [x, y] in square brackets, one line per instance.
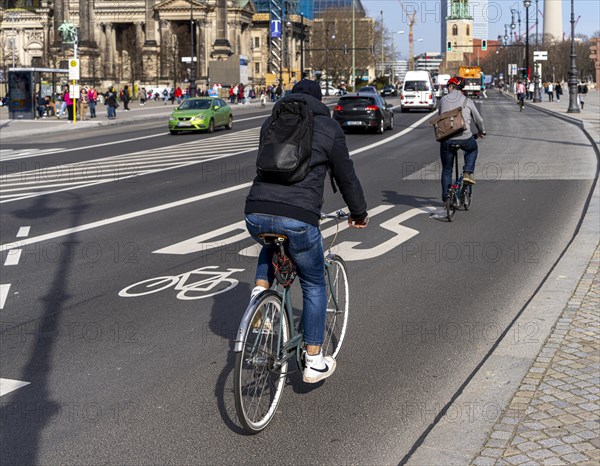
[285, 150]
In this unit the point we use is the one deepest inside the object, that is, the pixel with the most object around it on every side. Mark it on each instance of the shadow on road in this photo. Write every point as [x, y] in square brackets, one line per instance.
[31, 409]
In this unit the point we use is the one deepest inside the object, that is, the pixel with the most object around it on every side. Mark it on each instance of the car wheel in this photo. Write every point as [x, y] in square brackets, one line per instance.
[229, 124]
[173, 132]
[381, 127]
[211, 126]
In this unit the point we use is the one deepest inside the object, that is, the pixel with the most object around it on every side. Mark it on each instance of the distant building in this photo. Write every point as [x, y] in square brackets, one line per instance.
[480, 12]
[459, 33]
[429, 61]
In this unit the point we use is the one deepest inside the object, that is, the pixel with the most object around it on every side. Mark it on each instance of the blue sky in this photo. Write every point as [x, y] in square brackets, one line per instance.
[428, 20]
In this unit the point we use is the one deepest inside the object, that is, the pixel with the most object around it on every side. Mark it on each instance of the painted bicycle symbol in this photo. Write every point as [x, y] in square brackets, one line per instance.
[212, 282]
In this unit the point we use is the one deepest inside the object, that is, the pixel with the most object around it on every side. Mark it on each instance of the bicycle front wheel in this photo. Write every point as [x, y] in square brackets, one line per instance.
[259, 378]
[466, 198]
[336, 321]
[449, 206]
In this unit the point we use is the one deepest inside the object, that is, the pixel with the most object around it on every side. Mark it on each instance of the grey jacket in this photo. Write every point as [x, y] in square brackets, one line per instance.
[455, 99]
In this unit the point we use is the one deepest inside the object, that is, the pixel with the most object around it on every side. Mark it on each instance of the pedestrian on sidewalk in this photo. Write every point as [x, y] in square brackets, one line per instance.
[558, 90]
[125, 98]
[69, 102]
[550, 92]
[111, 103]
[92, 101]
[143, 96]
[83, 103]
[582, 90]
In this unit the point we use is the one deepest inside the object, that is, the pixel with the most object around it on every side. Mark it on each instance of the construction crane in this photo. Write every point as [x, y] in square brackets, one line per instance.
[411, 21]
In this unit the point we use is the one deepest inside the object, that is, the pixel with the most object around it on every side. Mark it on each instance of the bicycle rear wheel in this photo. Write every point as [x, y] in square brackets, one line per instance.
[466, 197]
[336, 322]
[258, 379]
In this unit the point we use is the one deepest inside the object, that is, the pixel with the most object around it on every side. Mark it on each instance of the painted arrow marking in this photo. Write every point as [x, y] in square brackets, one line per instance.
[10, 385]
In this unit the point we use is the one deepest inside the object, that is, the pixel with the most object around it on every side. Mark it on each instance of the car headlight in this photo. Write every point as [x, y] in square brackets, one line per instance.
[172, 118]
[198, 118]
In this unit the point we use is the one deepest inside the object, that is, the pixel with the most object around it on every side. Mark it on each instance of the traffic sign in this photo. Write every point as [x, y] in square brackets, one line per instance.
[73, 68]
[540, 56]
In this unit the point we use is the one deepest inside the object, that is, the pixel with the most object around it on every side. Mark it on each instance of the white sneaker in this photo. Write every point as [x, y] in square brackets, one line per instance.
[256, 291]
[317, 368]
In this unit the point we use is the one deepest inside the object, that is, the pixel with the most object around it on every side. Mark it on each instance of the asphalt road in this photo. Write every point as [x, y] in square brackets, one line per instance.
[148, 379]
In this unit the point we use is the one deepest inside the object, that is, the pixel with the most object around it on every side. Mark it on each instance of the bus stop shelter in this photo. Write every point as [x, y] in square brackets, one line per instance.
[27, 85]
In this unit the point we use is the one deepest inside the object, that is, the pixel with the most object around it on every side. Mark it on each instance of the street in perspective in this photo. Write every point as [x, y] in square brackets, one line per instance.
[463, 318]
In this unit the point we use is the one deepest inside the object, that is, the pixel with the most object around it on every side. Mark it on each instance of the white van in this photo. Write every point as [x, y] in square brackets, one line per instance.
[417, 92]
[440, 84]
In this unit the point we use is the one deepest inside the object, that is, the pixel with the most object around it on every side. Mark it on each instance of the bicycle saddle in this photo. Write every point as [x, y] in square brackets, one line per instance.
[272, 238]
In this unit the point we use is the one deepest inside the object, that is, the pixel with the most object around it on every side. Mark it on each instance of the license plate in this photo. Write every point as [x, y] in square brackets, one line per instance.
[354, 123]
[184, 123]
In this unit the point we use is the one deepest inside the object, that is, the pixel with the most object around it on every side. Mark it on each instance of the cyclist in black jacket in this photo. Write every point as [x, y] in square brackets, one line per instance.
[294, 210]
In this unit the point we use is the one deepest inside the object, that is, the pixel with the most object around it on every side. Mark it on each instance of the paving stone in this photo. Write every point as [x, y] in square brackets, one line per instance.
[563, 449]
[528, 446]
[517, 459]
[553, 462]
[484, 461]
[496, 452]
[541, 454]
[551, 442]
[572, 439]
[500, 443]
[584, 446]
[575, 457]
[501, 434]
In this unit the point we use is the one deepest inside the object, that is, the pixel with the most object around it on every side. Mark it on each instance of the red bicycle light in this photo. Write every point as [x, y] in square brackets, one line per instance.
[338, 108]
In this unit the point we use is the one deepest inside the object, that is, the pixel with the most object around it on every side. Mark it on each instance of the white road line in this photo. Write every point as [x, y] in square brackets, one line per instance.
[3, 294]
[120, 218]
[10, 385]
[23, 232]
[13, 257]
[139, 213]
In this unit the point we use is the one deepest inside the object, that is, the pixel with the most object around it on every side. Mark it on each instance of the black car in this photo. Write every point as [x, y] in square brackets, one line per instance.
[364, 111]
[389, 90]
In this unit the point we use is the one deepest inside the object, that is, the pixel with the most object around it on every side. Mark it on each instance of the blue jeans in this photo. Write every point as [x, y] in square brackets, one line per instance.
[111, 112]
[469, 146]
[305, 248]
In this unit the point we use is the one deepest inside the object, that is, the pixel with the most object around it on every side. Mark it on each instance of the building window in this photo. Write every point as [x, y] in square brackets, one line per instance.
[257, 69]
[455, 30]
[468, 30]
[257, 42]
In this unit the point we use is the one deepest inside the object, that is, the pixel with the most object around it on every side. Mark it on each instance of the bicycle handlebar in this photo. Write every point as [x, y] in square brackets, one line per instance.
[336, 215]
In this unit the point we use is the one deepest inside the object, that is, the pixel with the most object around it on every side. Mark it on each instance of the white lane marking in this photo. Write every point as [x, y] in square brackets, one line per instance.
[13, 257]
[349, 252]
[237, 232]
[10, 385]
[23, 232]
[395, 136]
[62, 151]
[120, 218]
[3, 294]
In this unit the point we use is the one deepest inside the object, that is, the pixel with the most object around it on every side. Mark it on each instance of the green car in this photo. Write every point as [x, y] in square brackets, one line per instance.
[200, 113]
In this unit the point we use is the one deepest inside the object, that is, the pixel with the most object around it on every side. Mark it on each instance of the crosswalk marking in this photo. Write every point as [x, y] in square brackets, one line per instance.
[13, 154]
[23, 185]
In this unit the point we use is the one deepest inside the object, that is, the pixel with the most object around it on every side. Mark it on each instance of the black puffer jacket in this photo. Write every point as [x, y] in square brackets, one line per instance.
[303, 200]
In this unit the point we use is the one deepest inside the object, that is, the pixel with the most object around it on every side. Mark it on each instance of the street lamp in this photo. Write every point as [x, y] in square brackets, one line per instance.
[413, 58]
[526, 4]
[302, 38]
[573, 104]
[192, 92]
[327, 57]
[393, 53]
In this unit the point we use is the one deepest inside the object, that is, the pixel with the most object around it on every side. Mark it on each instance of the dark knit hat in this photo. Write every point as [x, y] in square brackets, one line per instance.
[306, 86]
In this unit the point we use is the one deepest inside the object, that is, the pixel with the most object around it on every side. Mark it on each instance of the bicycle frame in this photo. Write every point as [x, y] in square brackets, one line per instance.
[457, 187]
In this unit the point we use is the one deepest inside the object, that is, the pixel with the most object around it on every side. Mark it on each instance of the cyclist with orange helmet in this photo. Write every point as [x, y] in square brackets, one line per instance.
[466, 139]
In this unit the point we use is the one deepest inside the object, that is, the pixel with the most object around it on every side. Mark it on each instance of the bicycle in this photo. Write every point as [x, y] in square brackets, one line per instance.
[459, 194]
[267, 340]
[521, 102]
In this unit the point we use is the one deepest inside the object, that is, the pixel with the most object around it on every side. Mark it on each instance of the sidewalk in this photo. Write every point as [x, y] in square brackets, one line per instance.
[536, 399]
[17, 129]
[554, 417]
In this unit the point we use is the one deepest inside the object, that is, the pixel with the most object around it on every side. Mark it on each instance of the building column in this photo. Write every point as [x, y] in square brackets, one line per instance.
[110, 50]
[150, 39]
[59, 17]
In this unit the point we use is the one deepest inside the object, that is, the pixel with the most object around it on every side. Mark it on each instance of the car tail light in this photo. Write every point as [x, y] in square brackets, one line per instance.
[338, 108]
[430, 96]
[372, 108]
[401, 96]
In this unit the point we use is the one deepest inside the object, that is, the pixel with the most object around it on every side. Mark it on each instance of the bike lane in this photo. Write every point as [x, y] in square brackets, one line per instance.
[164, 364]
